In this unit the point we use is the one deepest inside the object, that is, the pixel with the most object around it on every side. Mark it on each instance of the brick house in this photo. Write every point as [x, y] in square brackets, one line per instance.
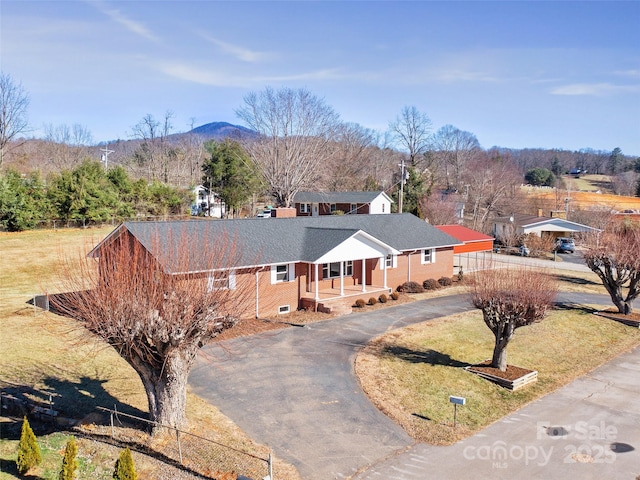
[323, 263]
[314, 204]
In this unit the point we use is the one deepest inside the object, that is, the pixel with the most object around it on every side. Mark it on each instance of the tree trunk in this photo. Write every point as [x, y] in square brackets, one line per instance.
[166, 387]
[499, 359]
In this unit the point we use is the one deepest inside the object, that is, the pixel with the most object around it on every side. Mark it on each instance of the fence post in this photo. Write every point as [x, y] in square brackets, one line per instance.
[179, 446]
[111, 421]
[270, 467]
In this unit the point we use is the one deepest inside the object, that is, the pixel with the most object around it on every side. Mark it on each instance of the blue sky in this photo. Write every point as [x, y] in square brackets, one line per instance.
[557, 74]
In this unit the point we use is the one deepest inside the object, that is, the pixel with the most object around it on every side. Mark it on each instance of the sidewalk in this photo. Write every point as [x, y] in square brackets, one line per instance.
[589, 429]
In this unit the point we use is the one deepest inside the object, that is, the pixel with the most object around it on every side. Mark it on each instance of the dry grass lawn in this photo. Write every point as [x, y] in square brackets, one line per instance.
[44, 352]
[410, 373]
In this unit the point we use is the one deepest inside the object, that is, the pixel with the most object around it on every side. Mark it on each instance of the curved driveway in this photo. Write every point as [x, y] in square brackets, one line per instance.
[295, 390]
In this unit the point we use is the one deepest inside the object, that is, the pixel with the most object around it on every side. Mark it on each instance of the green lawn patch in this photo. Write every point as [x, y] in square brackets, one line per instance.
[410, 373]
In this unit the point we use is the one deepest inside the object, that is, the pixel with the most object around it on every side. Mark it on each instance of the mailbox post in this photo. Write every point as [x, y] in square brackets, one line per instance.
[456, 401]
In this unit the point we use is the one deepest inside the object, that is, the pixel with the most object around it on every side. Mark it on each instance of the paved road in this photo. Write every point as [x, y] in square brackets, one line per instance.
[295, 390]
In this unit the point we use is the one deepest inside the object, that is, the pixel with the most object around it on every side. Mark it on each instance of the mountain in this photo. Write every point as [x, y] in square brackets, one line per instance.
[222, 130]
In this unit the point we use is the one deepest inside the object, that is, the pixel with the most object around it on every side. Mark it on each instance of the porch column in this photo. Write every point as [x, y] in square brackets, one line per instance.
[409, 267]
[384, 271]
[364, 274]
[315, 278]
[342, 279]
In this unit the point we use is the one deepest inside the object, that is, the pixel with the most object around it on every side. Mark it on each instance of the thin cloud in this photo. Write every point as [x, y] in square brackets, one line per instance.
[594, 89]
[237, 51]
[220, 78]
[131, 25]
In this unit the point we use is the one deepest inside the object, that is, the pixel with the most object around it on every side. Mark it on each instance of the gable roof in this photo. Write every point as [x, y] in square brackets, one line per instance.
[338, 197]
[464, 234]
[285, 240]
[554, 224]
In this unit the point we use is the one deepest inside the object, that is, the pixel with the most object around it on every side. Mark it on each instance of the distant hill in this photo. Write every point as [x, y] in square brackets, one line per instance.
[221, 130]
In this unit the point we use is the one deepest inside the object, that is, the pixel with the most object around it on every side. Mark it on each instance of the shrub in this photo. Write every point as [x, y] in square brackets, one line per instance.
[394, 295]
[445, 281]
[412, 287]
[430, 284]
[399, 288]
[125, 470]
[460, 275]
[373, 301]
[28, 451]
[382, 298]
[69, 462]
[360, 303]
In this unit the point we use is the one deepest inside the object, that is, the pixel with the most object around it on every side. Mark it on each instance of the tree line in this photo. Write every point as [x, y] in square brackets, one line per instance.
[297, 141]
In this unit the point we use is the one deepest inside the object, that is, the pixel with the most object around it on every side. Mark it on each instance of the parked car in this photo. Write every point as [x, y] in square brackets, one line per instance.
[565, 245]
[524, 251]
[264, 214]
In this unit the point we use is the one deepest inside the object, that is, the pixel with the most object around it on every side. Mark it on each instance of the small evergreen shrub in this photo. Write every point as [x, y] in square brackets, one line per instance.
[445, 281]
[412, 287]
[373, 301]
[360, 303]
[69, 462]
[125, 469]
[28, 451]
[460, 275]
[399, 288]
[394, 295]
[430, 284]
[382, 298]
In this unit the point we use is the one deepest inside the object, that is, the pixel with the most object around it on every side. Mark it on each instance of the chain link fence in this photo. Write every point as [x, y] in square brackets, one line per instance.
[193, 452]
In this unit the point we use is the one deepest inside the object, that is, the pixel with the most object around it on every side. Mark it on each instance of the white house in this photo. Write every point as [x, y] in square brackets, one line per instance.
[206, 203]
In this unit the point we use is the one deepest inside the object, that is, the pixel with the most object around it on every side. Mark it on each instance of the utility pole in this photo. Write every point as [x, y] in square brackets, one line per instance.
[401, 186]
[105, 156]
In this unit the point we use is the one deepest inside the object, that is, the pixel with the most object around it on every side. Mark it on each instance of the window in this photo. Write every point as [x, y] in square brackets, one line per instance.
[285, 272]
[353, 208]
[305, 208]
[221, 281]
[383, 208]
[332, 270]
[332, 207]
[284, 309]
[428, 255]
[391, 261]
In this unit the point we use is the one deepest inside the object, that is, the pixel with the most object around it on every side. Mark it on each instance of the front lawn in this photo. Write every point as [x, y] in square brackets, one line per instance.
[410, 373]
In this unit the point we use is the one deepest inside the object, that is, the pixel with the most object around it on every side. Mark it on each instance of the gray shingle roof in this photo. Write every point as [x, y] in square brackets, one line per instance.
[336, 197]
[284, 240]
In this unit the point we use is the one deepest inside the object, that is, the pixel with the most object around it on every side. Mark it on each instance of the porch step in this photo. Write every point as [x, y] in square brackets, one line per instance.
[336, 307]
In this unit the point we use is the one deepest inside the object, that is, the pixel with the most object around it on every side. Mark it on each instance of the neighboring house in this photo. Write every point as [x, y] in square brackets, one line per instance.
[475, 249]
[326, 203]
[522, 224]
[319, 263]
[207, 204]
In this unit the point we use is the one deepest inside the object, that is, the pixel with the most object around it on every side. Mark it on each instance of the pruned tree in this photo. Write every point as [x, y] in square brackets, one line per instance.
[143, 301]
[615, 258]
[510, 299]
[295, 131]
[14, 102]
[411, 131]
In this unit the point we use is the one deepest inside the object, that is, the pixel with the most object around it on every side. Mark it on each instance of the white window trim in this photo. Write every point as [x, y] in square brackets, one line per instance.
[227, 282]
[432, 257]
[305, 208]
[385, 260]
[347, 270]
[290, 273]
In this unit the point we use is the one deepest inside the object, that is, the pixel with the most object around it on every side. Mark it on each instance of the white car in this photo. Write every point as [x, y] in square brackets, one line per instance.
[264, 214]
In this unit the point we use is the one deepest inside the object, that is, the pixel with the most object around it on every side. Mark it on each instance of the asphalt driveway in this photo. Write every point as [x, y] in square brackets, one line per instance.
[295, 390]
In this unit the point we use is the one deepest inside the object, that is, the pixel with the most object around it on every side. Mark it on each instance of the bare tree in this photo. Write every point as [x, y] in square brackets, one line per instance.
[349, 165]
[439, 209]
[510, 299]
[14, 102]
[615, 258]
[155, 152]
[455, 149]
[66, 146]
[295, 134]
[142, 301]
[412, 132]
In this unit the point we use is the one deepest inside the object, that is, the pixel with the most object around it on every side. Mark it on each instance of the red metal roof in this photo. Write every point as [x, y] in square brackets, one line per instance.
[463, 234]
